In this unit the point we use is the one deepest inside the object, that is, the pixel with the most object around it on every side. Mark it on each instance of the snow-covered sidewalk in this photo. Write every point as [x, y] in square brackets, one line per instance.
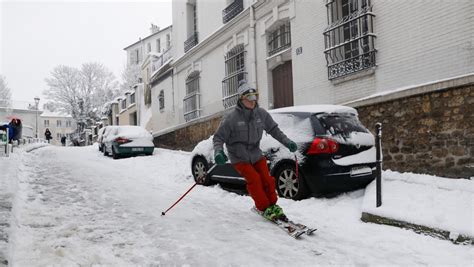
[72, 206]
[443, 205]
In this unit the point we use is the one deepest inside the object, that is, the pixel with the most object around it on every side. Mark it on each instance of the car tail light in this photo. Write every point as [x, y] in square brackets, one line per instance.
[323, 146]
[121, 140]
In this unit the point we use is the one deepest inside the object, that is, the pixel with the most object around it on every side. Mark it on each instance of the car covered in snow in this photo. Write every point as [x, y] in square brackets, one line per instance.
[122, 141]
[336, 153]
[100, 137]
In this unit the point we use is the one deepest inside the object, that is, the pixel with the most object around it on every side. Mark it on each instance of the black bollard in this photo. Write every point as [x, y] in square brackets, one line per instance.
[378, 158]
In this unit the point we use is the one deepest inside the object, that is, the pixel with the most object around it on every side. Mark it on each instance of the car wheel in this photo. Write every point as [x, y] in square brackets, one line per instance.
[100, 148]
[199, 168]
[289, 185]
[104, 149]
[114, 154]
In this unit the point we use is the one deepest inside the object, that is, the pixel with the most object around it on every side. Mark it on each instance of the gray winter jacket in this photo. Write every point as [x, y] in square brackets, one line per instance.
[241, 130]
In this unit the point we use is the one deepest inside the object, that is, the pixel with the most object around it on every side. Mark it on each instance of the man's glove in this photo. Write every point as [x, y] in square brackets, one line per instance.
[220, 158]
[292, 146]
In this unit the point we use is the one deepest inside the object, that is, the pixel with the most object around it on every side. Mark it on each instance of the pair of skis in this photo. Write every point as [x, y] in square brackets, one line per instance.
[295, 230]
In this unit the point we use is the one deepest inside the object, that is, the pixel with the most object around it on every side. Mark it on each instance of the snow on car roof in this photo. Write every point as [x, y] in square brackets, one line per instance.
[316, 109]
[128, 131]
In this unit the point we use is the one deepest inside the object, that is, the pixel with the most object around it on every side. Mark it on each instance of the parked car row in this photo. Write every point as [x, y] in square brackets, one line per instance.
[336, 153]
[125, 141]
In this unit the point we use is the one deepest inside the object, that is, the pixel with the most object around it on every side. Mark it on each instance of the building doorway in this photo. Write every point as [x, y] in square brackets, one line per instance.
[283, 85]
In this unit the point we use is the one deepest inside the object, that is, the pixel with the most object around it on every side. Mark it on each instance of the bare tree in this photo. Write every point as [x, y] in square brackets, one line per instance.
[63, 89]
[81, 92]
[98, 86]
[131, 75]
[5, 94]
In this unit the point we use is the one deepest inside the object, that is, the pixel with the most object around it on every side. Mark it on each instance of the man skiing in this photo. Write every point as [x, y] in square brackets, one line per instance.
[241, 130]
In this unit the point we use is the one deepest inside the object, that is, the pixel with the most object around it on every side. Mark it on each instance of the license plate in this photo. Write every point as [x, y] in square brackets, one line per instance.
[135, 149]
[358, 171]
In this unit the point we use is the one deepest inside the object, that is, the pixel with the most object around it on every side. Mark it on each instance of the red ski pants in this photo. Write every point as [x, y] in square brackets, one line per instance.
[260, 185]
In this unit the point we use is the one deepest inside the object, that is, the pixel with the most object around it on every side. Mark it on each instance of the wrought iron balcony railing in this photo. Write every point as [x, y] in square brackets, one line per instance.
[191, 42]
[157, 62]
[232, 10]
[280, 40]
[352, 65]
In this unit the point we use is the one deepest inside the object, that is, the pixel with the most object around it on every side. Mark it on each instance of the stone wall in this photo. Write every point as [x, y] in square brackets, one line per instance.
[429, 133]
[187, 137]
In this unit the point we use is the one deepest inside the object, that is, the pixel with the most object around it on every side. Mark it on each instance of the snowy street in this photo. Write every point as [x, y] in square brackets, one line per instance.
[73, 206]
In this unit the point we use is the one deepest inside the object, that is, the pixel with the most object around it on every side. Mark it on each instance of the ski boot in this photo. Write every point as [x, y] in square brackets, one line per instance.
[278, 212]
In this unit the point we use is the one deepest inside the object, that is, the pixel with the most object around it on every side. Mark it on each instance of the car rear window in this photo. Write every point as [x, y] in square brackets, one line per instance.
[343, 124]
[296, 126]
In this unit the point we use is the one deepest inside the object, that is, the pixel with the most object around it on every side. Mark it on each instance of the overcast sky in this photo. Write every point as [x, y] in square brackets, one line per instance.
[36, 36]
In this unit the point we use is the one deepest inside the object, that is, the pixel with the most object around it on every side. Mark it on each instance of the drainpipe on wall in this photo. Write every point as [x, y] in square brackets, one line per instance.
[253, 45]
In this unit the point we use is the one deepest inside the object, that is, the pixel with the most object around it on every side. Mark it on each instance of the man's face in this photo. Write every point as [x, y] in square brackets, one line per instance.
[249, 99]
[250, 104]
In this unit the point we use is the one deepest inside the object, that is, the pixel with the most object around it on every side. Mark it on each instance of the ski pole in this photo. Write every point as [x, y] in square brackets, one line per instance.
[189, 190]
[296, 166]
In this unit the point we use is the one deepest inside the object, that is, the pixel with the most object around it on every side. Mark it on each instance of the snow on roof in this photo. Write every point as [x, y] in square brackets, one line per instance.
[316, 109]
[48, 113]
[165, 64]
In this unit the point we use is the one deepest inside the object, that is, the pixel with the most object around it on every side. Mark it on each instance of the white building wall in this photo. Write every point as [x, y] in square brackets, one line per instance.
[417, 42]
[209, 60]
[267, 16]
[164, 118]
[180, 27]
[142, 45]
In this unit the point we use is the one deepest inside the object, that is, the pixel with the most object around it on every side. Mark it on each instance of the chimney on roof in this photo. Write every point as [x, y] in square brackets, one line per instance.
[154, 28]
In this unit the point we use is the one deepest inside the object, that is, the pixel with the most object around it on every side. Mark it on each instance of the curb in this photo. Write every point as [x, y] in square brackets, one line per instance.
[419, 229]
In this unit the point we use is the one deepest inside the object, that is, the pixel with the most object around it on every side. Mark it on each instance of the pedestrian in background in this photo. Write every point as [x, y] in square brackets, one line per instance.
[241, 131]
[47, 135]
[63, 140]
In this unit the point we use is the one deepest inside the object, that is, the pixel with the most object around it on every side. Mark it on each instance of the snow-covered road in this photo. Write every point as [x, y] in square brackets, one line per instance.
[73, 206]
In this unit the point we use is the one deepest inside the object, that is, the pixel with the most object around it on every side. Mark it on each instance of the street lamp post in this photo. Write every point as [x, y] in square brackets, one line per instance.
[37, 100]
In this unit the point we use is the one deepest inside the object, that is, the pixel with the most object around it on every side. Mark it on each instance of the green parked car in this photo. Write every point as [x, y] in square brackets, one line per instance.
[126, 141]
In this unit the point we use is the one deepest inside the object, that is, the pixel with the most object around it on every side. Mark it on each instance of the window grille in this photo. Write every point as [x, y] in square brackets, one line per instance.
[132, 98]
[161, 99]
[235, 72]
[279, 39]
[232, 10]
[349, 37]
[192, 101]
